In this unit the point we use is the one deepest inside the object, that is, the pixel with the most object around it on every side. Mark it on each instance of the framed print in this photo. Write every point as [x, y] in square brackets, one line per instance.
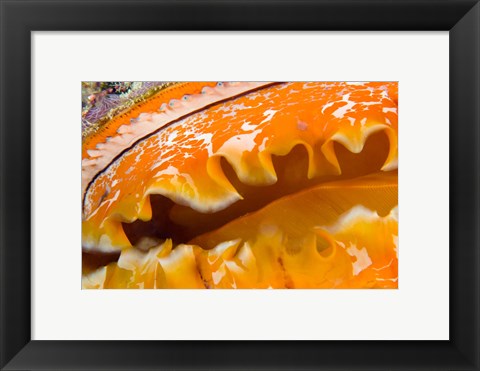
[239, 264]
[328, 148]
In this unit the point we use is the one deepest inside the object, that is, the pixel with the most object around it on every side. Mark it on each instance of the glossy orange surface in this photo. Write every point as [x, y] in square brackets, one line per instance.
[291, 185]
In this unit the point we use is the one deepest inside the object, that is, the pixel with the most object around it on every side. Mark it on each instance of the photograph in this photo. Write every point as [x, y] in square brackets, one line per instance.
[239, 185]
[251, 147]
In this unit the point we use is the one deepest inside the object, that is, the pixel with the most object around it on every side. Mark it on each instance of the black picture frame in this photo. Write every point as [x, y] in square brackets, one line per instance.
[18, 18]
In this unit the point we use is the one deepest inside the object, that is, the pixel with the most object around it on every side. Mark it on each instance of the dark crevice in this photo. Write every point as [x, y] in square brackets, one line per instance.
[182, 224]
[369, 160]
[92, 261]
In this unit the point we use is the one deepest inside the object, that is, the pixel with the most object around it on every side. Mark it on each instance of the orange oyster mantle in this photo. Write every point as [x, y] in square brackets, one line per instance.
[322, 248]
[206, 159]
[100, 149]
